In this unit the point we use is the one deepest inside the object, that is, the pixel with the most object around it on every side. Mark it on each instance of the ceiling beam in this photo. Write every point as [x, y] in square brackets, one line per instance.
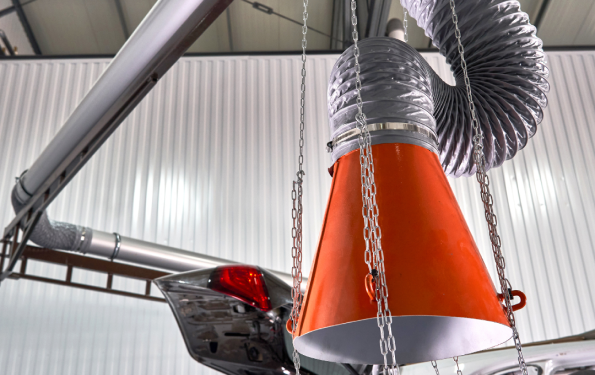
[541, 13]
[335, 23]
[268, 10]
[120, 10]
[11, 9]
[229, 29]
[377, 18]
[6, 11]
[346, 24]
[18, 7]
[363, 11]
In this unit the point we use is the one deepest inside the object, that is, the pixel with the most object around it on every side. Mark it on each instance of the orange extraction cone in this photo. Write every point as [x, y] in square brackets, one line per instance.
[441, 296]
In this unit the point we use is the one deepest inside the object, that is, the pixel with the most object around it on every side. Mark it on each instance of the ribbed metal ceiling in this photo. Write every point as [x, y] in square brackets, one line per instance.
[83, 27]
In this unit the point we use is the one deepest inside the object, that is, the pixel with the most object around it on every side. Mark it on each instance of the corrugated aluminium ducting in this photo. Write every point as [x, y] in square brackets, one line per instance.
[54, 234]
[205, 163]
[507, 73]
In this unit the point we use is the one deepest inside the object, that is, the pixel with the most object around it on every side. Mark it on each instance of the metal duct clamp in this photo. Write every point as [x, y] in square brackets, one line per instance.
[390, 126]
[117, 247]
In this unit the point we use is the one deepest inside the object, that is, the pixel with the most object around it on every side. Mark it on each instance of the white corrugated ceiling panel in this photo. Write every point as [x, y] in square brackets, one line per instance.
[66, 27]
[93, 27]
[214, 40]
[568, 23]
[135, 11]
[205, 163]
[79, 27]
[15, 33]
[254, 30]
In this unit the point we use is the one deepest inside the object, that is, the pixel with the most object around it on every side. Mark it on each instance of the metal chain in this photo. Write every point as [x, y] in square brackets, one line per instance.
[406, 37]
[456, 359]
[435, 366]
[487, 199]
[372, 234]
[296, 212]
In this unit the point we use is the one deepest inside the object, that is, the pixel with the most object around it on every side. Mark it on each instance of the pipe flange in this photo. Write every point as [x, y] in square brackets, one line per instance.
[117, 247]
[82, 241]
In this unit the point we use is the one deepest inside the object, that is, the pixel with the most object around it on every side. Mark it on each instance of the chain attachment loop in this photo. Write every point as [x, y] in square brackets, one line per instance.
[487, 199]
[456, 359]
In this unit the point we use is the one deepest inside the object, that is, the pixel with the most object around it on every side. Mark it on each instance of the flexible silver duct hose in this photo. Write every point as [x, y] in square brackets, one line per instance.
[55, 234]
[507, 70]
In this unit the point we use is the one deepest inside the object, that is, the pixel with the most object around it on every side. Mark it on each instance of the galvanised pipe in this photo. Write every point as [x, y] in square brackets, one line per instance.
[158, 42]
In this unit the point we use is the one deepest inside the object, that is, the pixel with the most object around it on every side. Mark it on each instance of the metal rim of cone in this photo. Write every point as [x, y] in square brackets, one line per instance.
[423, 335]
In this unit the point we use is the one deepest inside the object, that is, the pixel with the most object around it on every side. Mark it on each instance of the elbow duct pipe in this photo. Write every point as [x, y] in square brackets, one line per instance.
[55, 234]
[406, 102]
[162, 37]
[64, 236]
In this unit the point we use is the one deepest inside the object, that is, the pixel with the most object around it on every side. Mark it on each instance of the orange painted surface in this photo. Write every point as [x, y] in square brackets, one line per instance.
[432, 263]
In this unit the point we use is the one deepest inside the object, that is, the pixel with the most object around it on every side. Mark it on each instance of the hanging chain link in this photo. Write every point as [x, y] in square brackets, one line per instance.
[374, 256]
[487, 199]
[456, 359]
[406, 37]
[296, 212]
[435, 366]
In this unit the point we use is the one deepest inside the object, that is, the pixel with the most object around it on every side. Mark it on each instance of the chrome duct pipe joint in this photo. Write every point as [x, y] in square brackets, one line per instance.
[507, 70]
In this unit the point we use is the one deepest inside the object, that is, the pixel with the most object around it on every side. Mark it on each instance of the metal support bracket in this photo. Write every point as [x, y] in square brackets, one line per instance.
[74, 261]
[193, 20]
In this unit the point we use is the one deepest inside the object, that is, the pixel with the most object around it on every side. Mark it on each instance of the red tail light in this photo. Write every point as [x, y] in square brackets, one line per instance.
[245, 283]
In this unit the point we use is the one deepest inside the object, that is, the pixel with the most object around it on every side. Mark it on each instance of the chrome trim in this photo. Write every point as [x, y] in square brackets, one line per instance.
[83, 235]
[117, 247]
[383, 126]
